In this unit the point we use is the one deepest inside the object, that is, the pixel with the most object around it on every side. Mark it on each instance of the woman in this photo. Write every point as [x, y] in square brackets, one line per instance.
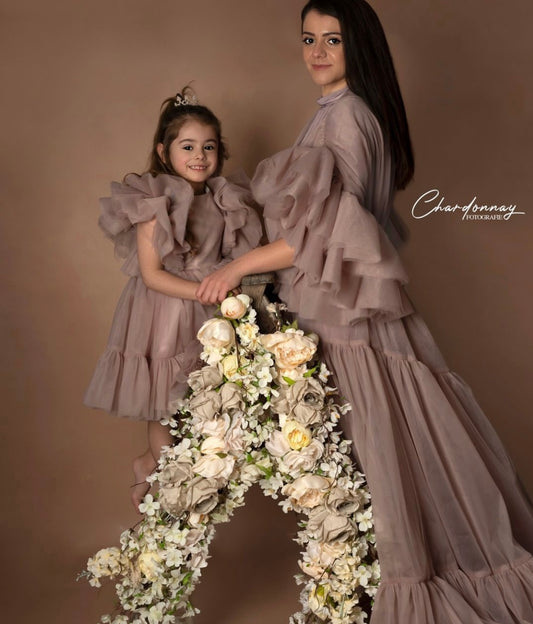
[454, 529]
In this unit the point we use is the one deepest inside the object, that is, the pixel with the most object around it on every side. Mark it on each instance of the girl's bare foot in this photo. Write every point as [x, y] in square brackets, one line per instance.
[143, 466]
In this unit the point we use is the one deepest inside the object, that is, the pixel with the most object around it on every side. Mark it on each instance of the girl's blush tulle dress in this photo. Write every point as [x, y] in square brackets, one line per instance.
[454, 528]
[152, 344]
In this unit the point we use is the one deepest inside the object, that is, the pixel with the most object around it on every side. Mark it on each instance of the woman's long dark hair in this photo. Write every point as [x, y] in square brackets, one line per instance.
[371, 75]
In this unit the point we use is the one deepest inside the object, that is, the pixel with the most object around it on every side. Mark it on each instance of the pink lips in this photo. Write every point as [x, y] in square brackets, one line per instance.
[319, 67]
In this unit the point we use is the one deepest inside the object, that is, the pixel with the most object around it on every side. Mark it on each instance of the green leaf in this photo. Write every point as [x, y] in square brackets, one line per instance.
[288, 380]
[311, 372]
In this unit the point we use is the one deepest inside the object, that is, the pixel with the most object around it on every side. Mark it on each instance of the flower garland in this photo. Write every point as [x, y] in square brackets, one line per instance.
[259, 411]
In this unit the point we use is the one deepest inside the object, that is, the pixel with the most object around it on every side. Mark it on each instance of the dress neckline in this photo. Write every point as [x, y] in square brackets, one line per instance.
[332, 97]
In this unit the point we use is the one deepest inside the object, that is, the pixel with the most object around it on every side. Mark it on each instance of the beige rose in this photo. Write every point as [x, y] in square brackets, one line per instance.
[307, 491]
[277, 445]
[213, 445]
[305, 460]
[303, 401]
[206, 404]
[231, 398]
[149, 564]
[341, 501]
[216, 333]
[328, 527]
[199, 496]
[291, 348]
[175, 473]
[296, 435]
[215, 467]
[230, 365]
[206, 377]
[235, 307]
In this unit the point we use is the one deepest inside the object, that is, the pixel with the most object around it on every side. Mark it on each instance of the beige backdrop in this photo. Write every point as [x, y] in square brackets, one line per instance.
[81, 87]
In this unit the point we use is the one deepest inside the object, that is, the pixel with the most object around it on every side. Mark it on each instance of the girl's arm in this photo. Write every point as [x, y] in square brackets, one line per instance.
[153, 274]
[271, 257]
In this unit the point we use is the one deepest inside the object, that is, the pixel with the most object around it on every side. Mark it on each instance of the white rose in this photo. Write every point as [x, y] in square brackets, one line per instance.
[215, 467]
[247, 333]
[230, 365]
[296, 434]
[307, 491]
[277, 444]
[216, 333]
[213, 445]
[235, 307]
[290, 348]
[149, 564]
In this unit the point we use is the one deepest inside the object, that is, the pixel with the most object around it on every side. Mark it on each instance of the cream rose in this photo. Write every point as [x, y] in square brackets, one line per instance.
[213, 445]
[216, 333]
[291, 348]
[277, 445]
[307, 491]
[229, 365]
[234, 437]
[235, 307]
[215, 467]
[215, 427]
[206, 377]
[149, 564]
[324, 553]
[296, 435]
[295, 462]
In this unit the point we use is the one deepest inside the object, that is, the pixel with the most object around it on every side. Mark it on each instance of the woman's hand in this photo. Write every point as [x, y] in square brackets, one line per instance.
[215, 287]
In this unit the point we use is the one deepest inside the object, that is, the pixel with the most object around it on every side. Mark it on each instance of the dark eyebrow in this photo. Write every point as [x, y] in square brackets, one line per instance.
[326, 34]
[194, 140]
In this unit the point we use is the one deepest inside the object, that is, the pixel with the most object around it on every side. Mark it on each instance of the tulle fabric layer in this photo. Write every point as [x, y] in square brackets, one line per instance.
[346, 268]
[151, 350]
[454, 527]
[168, 199]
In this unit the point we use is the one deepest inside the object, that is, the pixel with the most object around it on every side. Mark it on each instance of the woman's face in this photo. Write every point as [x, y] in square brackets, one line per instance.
[323, 51]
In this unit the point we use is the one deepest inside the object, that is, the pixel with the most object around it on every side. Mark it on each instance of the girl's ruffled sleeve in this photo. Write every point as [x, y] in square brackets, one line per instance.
[142, 198]
[242, 226]
[345, 267]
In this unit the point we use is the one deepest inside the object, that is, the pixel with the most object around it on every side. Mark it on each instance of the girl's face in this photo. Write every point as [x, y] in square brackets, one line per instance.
[194, 153]
[323, 51]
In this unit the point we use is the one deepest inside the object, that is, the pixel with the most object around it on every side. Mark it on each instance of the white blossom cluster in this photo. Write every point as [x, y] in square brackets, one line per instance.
[259, 411]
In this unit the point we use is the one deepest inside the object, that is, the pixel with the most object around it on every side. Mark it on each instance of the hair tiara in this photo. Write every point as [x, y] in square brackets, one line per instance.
[183, 99]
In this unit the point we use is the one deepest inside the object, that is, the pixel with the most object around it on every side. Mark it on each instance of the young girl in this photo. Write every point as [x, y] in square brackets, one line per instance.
[174, 224]
[454, 530]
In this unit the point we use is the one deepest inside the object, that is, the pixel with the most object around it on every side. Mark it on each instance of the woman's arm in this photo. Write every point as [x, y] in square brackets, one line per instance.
[271, 257]
[152, 272]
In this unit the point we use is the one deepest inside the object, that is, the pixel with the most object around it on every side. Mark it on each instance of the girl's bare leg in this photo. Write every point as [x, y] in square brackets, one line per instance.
[158, 436]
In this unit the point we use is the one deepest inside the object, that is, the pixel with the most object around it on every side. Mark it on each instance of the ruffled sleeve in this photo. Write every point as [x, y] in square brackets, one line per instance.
[345, 266]
[139, 199]
[242, 228]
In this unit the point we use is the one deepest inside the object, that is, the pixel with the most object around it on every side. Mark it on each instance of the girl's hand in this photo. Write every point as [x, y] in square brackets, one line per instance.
[216, 286]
